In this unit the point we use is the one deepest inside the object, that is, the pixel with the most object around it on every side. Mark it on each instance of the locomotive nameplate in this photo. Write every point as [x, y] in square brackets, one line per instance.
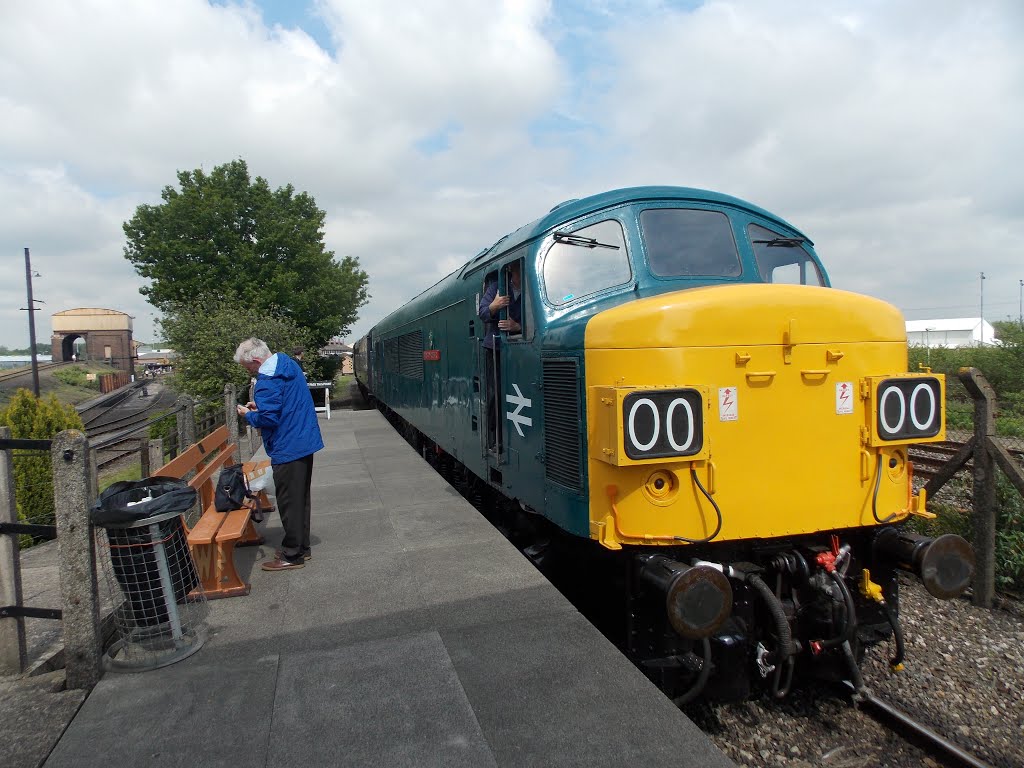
[649, 425]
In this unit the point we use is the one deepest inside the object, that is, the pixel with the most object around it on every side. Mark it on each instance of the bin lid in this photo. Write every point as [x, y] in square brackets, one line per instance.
[138, 502]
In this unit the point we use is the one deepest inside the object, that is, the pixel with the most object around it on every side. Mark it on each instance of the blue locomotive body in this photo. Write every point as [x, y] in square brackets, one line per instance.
[685, 396]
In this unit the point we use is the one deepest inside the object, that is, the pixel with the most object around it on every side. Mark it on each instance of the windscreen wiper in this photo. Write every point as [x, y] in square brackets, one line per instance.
[583, 242]
[783, 242]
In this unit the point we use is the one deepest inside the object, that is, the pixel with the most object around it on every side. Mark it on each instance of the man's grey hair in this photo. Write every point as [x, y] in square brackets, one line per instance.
[252, 349]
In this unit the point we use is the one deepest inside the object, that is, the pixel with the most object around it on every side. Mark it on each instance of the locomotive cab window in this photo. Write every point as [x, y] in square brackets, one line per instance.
[687, 242]
[585, 261]
[513, 285]
[511, 281]
[782, 259]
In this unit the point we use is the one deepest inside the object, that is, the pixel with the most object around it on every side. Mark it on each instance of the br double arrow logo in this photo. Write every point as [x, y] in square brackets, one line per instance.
[516, 416]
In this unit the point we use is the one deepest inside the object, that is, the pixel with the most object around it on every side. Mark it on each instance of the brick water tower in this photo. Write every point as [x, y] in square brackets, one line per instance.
[107, 334]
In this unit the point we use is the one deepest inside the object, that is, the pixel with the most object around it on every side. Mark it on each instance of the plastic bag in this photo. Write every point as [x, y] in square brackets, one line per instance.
[262, 480]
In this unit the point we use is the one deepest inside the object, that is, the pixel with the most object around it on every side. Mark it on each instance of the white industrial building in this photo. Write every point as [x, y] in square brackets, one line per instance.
[954, 332]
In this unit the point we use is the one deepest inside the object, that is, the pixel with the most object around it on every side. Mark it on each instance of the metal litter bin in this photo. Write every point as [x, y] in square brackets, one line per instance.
[160, 613]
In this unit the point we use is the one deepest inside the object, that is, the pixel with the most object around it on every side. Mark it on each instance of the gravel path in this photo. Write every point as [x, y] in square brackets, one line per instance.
[964, 678]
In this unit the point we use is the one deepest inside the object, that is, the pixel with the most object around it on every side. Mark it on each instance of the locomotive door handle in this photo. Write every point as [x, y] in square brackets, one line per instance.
[811, 372]
[751, 375]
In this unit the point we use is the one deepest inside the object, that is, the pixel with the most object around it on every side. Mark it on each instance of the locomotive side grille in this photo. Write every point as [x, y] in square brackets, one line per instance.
[410, 355]
[391, 355]
[562, 422]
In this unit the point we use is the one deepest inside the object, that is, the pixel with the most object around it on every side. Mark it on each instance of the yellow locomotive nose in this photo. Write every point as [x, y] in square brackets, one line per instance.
[780, 404]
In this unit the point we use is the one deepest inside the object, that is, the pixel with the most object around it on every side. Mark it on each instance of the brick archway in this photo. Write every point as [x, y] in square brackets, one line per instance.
[107, 334]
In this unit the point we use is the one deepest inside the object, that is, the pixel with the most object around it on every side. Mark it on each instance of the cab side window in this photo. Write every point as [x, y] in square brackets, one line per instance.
[584, 261]
[514, 286]
[782, 258]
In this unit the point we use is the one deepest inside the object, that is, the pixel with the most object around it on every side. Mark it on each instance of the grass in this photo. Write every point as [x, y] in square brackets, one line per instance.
[69, 384]
[129, 473]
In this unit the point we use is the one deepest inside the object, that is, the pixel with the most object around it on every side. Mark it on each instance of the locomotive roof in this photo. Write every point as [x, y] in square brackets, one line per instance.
[572, 209]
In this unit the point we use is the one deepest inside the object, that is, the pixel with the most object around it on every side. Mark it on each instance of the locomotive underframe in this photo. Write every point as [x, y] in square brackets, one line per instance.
[746, 654]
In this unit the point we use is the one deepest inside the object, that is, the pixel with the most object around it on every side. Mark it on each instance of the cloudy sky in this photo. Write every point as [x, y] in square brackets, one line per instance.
[890, 131]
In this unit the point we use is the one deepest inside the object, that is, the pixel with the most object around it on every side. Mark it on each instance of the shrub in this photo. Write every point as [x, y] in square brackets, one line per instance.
[36, 419]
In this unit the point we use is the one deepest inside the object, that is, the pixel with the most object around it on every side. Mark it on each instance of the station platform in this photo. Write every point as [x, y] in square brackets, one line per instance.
[415, 636]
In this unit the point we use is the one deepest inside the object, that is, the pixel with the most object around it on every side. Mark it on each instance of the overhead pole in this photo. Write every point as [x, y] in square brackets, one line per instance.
[982, 309]
[31, 325]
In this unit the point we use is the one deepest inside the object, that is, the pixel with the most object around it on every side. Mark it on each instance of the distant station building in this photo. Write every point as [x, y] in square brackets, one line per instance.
[156, 361]
[951, 333]
[338, 348]
[106, 333]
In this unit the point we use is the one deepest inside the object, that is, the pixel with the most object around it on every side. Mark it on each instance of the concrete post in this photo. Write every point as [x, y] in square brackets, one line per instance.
[186, 423]
[83, 642]
[984, 490]
[13, 653]
[155, 449]
[144, 466]
[231, 420]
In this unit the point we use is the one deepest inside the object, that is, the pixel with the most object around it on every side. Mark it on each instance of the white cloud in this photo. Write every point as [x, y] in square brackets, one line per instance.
[887, 131]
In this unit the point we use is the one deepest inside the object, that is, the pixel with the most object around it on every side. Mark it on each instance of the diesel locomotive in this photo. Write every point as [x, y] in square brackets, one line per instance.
[708, 434]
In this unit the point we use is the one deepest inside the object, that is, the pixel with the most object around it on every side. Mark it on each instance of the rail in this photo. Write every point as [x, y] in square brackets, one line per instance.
[914, 731]
[17, 373]
[931, 457]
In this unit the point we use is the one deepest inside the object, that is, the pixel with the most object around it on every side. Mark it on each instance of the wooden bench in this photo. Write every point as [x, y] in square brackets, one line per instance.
[214, 537]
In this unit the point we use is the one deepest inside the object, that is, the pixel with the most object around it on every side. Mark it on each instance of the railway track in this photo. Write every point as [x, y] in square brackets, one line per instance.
[9, 376]
[116, 431]
[929, 457]
[915, 732]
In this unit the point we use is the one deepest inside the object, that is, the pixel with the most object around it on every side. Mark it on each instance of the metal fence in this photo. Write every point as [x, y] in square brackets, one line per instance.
[63, 497]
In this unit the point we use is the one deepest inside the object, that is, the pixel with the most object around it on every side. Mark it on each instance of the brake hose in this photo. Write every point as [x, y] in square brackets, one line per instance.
[785, 641]
[874, 496]
[702, 678]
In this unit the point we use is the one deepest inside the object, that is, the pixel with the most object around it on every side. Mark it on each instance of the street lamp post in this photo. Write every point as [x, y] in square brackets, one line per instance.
[928, 345]
[1020, 306]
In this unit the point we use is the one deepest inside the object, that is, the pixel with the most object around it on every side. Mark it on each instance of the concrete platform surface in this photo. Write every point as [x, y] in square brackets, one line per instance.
[416, 636]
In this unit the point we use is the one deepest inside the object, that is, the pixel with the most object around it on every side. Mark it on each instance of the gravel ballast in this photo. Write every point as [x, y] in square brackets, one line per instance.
[963, 678]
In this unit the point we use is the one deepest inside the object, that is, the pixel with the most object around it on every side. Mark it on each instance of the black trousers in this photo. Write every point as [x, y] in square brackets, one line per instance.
[292, 480]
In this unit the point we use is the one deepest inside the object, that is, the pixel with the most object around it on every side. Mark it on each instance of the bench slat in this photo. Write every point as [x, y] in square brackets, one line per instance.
[234, 524]
[206, 529]
[192, 457]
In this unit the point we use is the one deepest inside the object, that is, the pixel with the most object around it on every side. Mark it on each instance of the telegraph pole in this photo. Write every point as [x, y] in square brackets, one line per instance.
[1020, 308]
[982, 309]
[32, 325]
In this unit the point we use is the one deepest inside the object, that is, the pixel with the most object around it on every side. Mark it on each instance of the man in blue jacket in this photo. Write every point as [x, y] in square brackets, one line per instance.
[282, 409]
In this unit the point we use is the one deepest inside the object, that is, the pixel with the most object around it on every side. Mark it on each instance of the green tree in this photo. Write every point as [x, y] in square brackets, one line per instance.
[36, 419]
[224, 236]
[206, 337]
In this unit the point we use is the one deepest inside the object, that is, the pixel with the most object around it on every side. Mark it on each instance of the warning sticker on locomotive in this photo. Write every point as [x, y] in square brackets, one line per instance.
[844, 397]
[727, 406]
